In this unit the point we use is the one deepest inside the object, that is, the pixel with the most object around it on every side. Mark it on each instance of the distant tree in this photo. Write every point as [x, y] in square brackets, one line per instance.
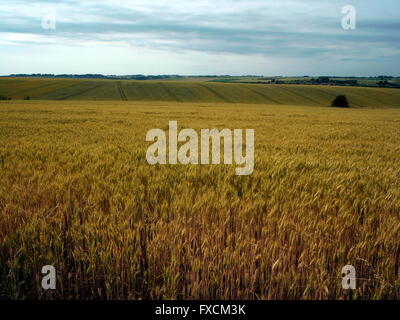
[340, 102]
[3, 97]
[27, 98]
[323, 80]
[383, 83]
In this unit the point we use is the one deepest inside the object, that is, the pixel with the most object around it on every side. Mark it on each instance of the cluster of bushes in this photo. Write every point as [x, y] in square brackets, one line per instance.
[317, 81]
[327, 80]
[385, 83]
[340, 102]
[8, 98]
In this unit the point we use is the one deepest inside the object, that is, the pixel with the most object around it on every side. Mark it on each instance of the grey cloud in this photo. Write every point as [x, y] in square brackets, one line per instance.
[252, 31]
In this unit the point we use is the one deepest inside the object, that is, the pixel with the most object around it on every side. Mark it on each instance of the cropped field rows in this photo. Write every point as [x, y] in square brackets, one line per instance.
[181, 91]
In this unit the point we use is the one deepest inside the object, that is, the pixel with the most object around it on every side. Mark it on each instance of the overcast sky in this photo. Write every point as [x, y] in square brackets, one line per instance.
[262, 37]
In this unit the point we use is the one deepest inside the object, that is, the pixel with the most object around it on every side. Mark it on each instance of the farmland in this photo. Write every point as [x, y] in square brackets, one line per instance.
[77, 192]
[192, 91]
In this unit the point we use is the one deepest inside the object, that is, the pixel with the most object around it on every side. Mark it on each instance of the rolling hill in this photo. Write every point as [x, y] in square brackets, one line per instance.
[189, 91]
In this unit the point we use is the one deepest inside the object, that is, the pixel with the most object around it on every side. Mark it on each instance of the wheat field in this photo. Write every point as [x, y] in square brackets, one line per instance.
[76, 192]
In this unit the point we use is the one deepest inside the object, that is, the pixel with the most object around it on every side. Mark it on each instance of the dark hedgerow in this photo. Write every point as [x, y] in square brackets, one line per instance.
[340, 102]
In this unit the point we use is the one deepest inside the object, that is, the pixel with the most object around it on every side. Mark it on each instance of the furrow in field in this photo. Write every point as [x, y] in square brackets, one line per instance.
[264, 96]
[121, 92]
[59, 92]
[306, 97]
[74, 94]
[170, 92]
[215, 92]
[276, 93]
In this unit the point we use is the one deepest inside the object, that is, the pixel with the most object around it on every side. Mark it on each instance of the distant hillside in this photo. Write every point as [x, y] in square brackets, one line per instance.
[192, 91]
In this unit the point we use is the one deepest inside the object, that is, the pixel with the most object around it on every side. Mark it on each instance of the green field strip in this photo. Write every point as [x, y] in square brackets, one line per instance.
[186, 91]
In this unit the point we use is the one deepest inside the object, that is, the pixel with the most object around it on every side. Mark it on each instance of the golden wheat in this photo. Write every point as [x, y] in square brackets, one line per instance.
[76, 192]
